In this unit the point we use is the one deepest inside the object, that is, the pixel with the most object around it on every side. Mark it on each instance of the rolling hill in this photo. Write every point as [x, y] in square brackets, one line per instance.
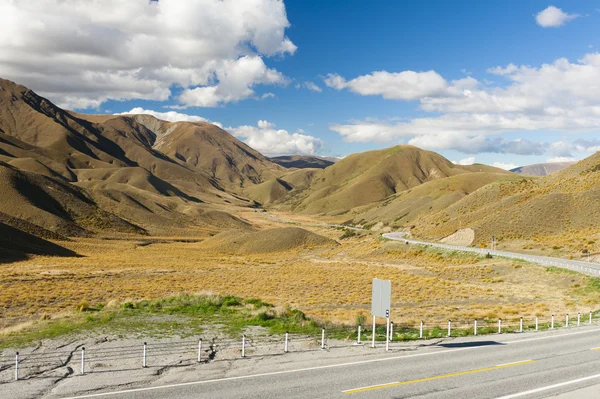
[368, 177]
[559, 210]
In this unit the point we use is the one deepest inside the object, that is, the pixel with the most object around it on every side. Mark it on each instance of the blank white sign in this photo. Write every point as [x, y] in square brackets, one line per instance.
[382, 297]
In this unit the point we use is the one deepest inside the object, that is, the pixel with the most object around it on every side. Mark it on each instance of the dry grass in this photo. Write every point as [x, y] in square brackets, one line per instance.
[329, 284]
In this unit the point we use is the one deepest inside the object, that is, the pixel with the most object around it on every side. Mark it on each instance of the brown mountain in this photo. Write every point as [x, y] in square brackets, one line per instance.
[559, 210]
[135, 173]
[368, 177]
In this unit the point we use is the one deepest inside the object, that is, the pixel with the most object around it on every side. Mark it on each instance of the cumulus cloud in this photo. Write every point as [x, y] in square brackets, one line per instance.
[505, 166]
[265, 138]
[553, 17]
[406, 85]
[560, 159]
[235, 81]
[170, 116]
[312, 86]
[80, 53]
[466, 161]
[470, 117]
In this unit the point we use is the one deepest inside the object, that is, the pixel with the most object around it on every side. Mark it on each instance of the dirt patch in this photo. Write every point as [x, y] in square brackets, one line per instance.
[463, 237]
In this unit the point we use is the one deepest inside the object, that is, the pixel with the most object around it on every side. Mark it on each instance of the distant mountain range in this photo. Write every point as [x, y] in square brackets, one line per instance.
[541, 169]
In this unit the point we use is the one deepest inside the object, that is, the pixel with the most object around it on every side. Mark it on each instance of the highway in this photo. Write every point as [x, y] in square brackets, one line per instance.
[507, 366]
[589, 268]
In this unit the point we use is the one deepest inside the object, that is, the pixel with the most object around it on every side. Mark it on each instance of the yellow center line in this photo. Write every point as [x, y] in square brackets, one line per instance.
[596, 349]
[438, 377]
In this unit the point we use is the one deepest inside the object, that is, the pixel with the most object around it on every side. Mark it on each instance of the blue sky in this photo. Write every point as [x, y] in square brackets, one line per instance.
[382, 72]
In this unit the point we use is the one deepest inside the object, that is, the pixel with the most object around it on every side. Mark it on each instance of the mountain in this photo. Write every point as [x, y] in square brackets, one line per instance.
[368, 177]
[304, 161]
[127, 173]
[210, 148]
[541, 169]
[559, 210]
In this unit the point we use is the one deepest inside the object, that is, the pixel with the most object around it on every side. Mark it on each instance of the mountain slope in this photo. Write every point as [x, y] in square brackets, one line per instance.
[561, 209]
[368, 177]
[113, 164]
[210, 148]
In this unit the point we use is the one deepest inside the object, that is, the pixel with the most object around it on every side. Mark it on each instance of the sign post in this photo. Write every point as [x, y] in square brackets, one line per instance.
[380, 306]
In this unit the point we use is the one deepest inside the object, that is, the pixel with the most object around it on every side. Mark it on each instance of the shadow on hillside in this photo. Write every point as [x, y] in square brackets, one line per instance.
[17, 245]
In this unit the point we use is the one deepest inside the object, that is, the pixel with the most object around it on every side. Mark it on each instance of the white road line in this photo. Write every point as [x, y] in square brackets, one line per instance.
[241, 377]
[549, 387]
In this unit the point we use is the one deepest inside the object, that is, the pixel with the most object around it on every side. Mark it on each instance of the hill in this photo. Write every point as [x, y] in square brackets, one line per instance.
[304, 161]
[368, 177]
[405, 208]
[559, 210]
[210, 148]
[541, 169]
[283, 187]
[266, 241]
[133, 172]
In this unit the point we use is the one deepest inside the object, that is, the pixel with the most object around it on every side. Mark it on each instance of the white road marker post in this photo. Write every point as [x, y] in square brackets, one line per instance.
[475, 328]
[17, 366]
[499, 326]
[387, 334]
[449, 328]
[521, 325]
[285, 346]
[590, 317]
[421, 330]
[323, 338]
[199, 350]
[373, 334]
[536, 323]
[552, 323]
[358, 340]
[567, 321]
[244, 345]
[578, 319]
[82, 360]
[144, 357]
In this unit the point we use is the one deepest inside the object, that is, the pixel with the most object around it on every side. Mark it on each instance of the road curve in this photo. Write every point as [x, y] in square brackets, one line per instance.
[589, 268]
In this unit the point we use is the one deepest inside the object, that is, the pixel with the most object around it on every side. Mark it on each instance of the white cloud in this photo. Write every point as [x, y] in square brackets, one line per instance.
[312, 86]
[235, 81]
[170, 116]
[270, 141]
[268, 95]
[406, 85]
[80, 53]
[560, 159]
[466, 161]
[553, 17]
[505, 166]
[561, 96]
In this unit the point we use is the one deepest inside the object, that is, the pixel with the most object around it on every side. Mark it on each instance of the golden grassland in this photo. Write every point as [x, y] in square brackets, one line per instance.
[330, 284]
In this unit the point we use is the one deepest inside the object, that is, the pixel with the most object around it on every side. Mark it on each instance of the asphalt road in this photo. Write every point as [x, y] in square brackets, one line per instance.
[529, 365]
[589, 268]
